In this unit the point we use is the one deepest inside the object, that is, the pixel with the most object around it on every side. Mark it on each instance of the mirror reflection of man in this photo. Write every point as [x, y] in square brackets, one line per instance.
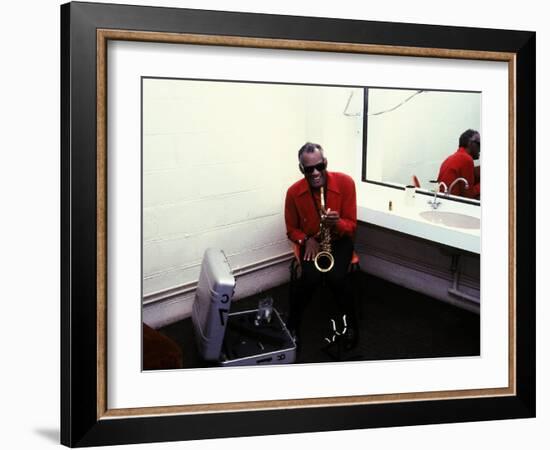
[461, 165]
[302, 217]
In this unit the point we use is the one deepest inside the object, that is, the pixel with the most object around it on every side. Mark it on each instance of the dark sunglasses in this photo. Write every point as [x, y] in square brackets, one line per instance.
[309, 169]
[475, 142]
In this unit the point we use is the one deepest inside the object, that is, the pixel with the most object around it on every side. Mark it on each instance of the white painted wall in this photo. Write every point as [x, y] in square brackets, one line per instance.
[417, 136]
[217, 160]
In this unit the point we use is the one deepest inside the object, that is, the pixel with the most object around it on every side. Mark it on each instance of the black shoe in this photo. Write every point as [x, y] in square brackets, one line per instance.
[351, 338]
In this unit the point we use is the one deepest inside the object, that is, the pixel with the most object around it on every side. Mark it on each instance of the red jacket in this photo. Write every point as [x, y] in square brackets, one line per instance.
[459, 164]
[301, 214]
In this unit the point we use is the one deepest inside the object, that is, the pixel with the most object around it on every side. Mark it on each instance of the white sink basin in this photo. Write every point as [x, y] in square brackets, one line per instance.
[451, 219]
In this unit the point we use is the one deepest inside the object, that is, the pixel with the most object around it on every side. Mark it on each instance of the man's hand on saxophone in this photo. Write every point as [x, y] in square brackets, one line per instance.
[331, 218]
[311, 250]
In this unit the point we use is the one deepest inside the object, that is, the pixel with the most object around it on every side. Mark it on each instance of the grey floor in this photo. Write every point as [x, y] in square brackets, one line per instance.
[394, 323]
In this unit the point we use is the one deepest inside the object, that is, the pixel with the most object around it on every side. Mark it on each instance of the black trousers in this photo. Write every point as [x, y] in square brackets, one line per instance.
[337, 280]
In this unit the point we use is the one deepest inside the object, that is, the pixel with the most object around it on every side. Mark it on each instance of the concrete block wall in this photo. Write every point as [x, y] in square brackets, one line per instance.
[217, 160]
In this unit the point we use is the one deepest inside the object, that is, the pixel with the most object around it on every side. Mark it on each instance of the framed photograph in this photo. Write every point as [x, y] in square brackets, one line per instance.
[197, 145]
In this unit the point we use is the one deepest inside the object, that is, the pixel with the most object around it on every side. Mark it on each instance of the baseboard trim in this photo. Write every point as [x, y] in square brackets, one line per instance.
[169, 306]
[423, 282]
[190, 287]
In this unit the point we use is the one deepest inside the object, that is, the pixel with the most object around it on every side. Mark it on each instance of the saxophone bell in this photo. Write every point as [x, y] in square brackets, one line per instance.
[324, 261]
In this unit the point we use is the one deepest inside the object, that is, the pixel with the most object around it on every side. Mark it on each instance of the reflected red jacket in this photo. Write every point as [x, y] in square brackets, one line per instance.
[459, 164]
[301, 207]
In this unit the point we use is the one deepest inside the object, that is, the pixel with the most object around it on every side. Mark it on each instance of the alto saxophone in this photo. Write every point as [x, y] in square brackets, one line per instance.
[324, 261]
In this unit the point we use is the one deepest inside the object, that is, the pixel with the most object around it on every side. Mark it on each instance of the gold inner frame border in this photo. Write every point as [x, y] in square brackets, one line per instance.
[104, 35]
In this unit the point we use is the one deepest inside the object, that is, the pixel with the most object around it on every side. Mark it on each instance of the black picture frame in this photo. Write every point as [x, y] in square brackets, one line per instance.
[84, 421]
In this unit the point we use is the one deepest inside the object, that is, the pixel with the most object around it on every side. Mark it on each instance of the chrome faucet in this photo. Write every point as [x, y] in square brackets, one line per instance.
[466, 185]
[434, 203]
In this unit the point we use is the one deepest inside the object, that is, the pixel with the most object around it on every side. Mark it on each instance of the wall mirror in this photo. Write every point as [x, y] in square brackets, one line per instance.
[410, 132]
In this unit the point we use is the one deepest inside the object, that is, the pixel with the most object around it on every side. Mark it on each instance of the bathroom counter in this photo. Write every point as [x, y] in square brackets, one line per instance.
[373, 208]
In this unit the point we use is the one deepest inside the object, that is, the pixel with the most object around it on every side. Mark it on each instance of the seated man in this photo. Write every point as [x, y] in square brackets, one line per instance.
[303, 219]
[461, 165]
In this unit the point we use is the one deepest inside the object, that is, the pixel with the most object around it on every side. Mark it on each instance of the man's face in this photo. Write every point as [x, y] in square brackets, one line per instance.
[314, 168]
[474, 145]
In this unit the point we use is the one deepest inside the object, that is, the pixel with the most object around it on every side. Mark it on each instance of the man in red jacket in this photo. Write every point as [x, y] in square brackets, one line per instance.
[303, 218]
[461, 165]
